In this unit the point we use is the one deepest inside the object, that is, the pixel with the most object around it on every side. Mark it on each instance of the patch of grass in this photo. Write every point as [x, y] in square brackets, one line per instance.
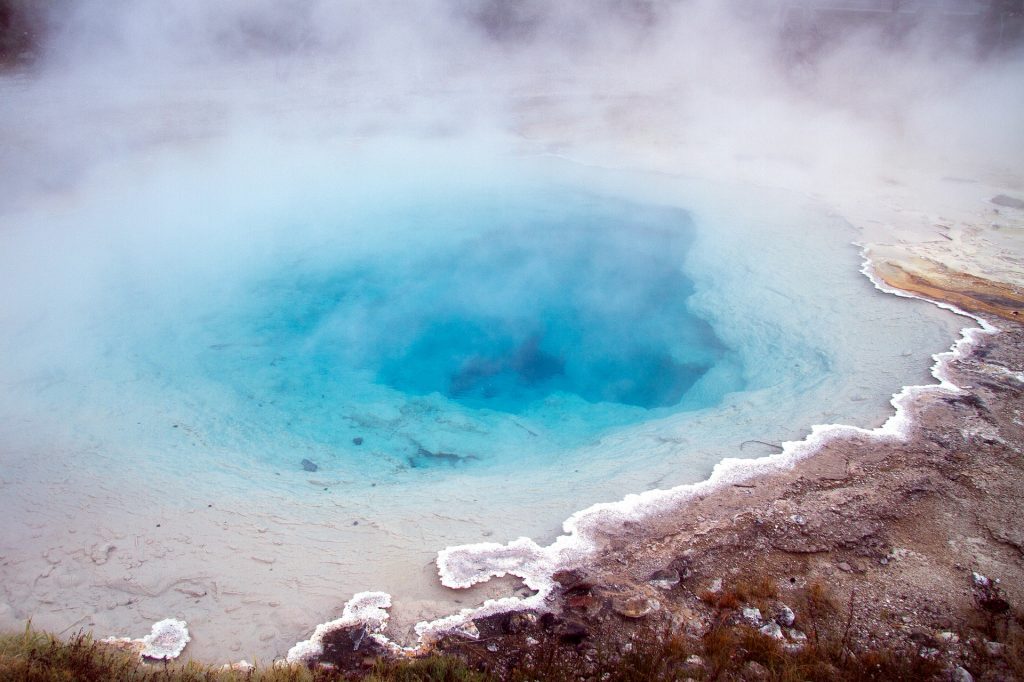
[34, 656]
[432, 669]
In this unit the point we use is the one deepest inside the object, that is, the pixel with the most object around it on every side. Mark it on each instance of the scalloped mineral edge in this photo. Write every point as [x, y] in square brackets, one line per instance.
[463, 566]
[368, 609]
[166, 640]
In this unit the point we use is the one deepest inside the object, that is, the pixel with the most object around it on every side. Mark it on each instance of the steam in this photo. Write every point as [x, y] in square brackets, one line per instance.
[714, 79]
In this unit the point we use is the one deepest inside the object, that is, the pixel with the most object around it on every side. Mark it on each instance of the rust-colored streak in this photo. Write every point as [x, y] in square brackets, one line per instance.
[968, 292]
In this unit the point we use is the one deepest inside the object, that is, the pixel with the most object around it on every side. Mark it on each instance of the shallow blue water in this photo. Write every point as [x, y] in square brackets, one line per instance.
[561, 314]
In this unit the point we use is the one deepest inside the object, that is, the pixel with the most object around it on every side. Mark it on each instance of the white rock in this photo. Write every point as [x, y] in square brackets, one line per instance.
[716, 585]
[961, 674]
[752, 615]
[771, 630]
[166, 640]
[995, 648]
[785, 617]
[694, 661]
[980, 580]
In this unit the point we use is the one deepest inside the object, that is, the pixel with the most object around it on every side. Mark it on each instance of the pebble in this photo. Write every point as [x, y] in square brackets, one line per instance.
[716, 585]
[309, 466]
[771, 630]
[493, 648]
[785, 617]
[843, 566]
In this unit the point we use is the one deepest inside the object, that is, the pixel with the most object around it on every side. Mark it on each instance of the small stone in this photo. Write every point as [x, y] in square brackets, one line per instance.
[468, 629]
[980, 580]
[358, 440]
[754, 672]
[797, 636]
[949, 637]
[785, 617]
[693, 661]
[573, 633]
[530, 641]
[569, 579]
[101, 554]
[665, 579]
[309, 466]
[493, 648]
[843, 566]
[771, 630]
[635, 607]
[798, 519]
[923, 637]
[752, 615]
[994, 648]
[961, 674]
[716, 585]
[519, 621]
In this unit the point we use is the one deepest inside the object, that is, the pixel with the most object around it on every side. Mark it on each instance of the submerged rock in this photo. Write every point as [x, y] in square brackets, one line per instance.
[307, 465]
[1009, 202]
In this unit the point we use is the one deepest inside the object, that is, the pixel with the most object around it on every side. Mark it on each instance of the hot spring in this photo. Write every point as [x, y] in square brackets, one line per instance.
[237, 390]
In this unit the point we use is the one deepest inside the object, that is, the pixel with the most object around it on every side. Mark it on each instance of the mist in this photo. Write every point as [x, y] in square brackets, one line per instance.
[808, 94]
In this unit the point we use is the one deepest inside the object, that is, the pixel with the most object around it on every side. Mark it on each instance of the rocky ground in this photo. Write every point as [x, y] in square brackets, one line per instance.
[910, 546]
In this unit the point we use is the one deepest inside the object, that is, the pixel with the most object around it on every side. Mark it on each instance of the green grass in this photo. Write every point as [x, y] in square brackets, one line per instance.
[33, 656]
[728, 651]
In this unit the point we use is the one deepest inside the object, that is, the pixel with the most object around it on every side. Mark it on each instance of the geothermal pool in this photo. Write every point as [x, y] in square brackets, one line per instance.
[239, 387]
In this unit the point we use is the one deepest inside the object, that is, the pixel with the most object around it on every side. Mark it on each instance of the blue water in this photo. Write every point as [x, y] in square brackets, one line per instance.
[491, 327]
